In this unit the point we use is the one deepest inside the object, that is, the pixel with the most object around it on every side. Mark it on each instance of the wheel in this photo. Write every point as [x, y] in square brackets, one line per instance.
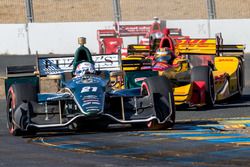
[17, 94]
[159, 89]
[240, 81]
[204, 73]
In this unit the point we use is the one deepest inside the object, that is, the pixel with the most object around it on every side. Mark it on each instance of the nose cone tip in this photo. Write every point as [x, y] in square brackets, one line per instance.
[93, 112]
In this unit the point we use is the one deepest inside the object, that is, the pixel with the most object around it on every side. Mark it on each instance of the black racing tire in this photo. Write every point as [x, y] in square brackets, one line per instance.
[240, 81]
[160, 91]
[204, 73]
[17, 94]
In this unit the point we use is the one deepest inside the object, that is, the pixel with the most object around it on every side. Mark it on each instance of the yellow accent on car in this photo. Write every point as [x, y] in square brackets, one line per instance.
[182, 94]
[226, 64]
[196, 46]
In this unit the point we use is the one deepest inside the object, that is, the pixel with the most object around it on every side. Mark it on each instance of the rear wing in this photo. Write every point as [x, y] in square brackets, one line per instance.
[175, 32]
[211, 46]
[109, 62]
[16, 71]
[138, 49]
[133, 30]
[196, 46]
[20, 74]
[227, 50]
[57, 64]
[136, 64]
[106, 33]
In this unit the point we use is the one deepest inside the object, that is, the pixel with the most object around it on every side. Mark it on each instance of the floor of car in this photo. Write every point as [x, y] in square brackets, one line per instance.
[43, 119]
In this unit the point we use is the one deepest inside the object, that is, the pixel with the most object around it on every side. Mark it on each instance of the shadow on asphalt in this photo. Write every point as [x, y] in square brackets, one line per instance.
[118, 128]
[233, 102]
[180, 125]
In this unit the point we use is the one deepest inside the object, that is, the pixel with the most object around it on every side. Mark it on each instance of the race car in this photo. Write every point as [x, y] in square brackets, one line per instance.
[85, 99]
[111, 41]
[203, 72]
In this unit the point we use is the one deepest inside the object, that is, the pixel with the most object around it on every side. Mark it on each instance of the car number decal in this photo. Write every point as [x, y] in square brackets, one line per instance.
[88, 89]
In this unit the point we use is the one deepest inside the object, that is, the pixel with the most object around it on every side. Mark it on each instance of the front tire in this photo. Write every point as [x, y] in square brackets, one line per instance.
[160, 92]
[240, 81]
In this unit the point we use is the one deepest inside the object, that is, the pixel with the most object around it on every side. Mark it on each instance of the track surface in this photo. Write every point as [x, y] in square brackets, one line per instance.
[217, 137]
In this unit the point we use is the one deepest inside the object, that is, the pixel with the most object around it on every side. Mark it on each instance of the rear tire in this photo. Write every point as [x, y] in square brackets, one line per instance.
[17, 94]
[204, 73]
[159, 89]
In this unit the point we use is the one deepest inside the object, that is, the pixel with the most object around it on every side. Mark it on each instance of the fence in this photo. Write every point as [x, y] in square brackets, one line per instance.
[14, 11]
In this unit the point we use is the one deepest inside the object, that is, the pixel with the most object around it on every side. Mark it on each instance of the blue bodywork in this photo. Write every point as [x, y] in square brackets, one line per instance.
[86, 100]
[89, 98]
[88, 92]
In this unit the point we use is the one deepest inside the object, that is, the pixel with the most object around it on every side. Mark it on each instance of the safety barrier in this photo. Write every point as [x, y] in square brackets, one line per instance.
[61, 38]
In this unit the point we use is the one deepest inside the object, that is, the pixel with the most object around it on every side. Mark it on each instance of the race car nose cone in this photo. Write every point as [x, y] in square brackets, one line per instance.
[92, 110]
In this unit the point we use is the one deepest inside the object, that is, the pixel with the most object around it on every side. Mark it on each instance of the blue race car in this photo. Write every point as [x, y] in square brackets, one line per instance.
[85, 100]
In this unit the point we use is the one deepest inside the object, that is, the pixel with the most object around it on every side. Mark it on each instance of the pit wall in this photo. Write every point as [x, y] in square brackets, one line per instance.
[61, 38]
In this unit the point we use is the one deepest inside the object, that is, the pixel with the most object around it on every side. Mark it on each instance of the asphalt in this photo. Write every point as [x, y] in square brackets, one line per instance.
[216, 137]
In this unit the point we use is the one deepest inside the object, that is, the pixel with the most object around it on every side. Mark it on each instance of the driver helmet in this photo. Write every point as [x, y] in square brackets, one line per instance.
[84, 68]
[163, 55]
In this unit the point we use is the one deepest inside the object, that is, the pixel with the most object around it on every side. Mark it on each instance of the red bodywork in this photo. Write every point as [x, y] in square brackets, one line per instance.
[198, 93]
[110, 40]
[168, 42]
[112, 45]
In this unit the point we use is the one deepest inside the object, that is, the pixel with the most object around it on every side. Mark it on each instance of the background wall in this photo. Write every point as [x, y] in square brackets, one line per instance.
[61, 38]
[13, 39]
